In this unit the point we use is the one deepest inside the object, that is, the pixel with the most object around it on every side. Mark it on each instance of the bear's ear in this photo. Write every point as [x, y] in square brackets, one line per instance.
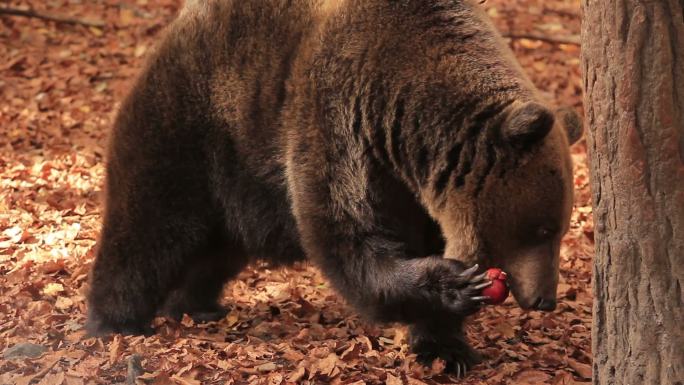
[527, 123]
[572, 123]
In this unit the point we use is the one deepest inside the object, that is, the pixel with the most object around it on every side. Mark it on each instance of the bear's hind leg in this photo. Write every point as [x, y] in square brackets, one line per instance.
[199, 293]
[140, 259]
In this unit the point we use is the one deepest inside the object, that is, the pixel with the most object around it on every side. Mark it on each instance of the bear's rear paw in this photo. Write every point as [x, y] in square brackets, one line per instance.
[209, 316]
[199, 314]
[457, 354]
[96, 326]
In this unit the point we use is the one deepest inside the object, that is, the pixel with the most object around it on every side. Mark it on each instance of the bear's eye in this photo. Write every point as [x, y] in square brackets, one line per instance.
[545, 233]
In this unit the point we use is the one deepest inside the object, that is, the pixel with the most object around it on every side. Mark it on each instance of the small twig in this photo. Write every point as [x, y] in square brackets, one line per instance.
[38, 376]
[51, 17]
[571, 40]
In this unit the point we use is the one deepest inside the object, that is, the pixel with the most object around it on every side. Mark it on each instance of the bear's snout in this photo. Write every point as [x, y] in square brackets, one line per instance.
[533, 289]
[545, 304]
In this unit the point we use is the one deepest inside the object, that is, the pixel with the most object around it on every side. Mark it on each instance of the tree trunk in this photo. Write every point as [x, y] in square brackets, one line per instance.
[633, 64]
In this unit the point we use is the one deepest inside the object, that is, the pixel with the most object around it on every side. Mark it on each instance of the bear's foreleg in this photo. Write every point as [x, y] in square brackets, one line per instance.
[433, 295]
[349, 229]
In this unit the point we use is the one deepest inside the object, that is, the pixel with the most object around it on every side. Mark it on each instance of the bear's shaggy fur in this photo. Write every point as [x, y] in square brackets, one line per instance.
[391, 142]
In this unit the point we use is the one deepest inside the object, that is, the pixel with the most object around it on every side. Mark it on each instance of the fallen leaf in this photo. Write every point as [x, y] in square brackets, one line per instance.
[115, 349]
[267, 367]
[392, 380]
[563, 378]
[185, 380]
[63, 303]
[532, 377]
[297, 375]
[582, 370]
[52, 379]
[52, 289]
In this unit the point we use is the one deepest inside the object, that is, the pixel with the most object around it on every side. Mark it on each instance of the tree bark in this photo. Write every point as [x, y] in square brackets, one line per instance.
[633, 68]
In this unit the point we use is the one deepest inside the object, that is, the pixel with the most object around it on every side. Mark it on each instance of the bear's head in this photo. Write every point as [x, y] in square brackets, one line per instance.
[516, 216]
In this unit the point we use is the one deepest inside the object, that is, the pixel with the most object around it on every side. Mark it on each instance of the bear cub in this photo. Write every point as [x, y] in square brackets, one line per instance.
[395, 144]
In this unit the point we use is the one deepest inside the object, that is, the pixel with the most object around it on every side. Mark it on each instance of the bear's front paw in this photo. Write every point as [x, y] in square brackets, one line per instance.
[456, 353]
[461, 291]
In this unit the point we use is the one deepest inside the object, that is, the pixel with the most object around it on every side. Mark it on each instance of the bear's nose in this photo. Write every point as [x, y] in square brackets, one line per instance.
[545, 304]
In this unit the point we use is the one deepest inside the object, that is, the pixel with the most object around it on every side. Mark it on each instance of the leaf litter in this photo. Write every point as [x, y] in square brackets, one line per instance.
[60, 86]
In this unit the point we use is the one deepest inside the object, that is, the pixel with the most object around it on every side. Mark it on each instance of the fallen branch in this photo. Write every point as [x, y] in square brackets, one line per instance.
[571, 40]
[51, 17]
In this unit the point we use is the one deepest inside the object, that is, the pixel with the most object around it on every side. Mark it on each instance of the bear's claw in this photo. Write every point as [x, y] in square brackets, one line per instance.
[468, 273]
[464, 291]
[476, 284]
[480, 278]
[461, 372]
[480, 298]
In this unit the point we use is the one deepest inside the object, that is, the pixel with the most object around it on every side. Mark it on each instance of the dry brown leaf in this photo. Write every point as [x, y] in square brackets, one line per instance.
[185, 369]
[231, 319]
[352, 352]
[327, 365]
[185, 380]
[126, 17]
[415, 381]
[52, 289]
[563, 378]
[161, 378]
[505, 330]
[63, 303]
[438, 366]
[582, 370]
[52, 379]
[115, 349]
[73, 380]
[22, 380]
[266, 367]
[297, 375]
[392, 380]
[532, 377]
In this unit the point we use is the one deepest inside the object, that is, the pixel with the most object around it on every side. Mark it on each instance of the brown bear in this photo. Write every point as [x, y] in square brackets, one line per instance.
[394, 143]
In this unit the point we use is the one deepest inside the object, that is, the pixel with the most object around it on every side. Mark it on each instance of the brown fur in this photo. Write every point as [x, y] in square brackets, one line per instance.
[371, 136]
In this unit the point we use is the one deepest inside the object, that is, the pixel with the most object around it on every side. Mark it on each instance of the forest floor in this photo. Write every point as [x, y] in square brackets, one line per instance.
[60, 85]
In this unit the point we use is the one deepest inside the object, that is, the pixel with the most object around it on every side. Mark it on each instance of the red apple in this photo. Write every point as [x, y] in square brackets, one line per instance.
[498, 290]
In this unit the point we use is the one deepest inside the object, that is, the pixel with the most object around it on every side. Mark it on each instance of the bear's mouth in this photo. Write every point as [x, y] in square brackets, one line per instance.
[533, 301]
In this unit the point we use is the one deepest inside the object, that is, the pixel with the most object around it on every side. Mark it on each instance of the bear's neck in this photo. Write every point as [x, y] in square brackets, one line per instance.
[433, 80]
[436, 139]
